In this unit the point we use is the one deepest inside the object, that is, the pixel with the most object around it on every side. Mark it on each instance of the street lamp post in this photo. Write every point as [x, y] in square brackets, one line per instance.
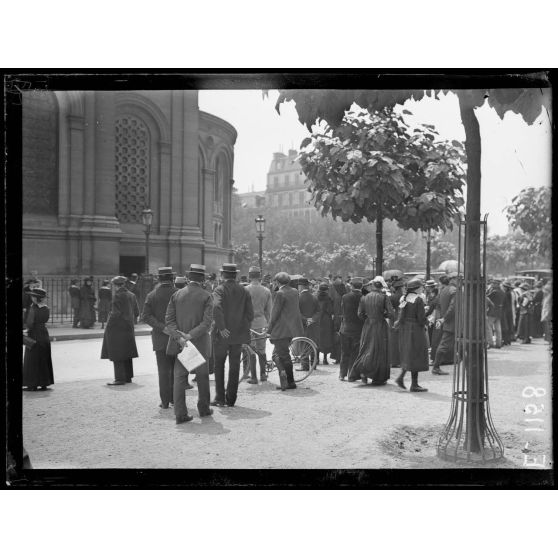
[428, 237]
[147, 219]
[260, 229]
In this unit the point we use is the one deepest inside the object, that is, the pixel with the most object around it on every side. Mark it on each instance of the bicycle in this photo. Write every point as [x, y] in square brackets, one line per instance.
[302, 350]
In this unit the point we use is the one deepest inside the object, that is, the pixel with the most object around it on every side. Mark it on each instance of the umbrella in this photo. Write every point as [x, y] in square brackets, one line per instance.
[387, 275]
[449, 266]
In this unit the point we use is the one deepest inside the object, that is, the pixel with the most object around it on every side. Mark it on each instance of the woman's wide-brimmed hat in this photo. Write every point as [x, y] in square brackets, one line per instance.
[414, 284]
[39, 293]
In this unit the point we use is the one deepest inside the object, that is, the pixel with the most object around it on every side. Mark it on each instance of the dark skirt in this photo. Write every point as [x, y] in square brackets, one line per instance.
[413, 346]
[524, 327]
[373, 360]
[394, 347]
[326, 334]
[104, 310]
[37, 361]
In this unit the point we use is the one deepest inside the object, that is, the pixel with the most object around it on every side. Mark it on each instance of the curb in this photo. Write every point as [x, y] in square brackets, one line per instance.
[91, 335]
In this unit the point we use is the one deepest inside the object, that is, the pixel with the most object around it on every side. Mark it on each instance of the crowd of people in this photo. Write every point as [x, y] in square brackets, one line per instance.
[367, 326]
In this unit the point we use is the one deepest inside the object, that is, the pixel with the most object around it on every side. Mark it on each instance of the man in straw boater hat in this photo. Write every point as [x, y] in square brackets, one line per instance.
[232, 314]
[154, 311]
[261, 304]
[285, 323]
[188, 319]
[119, 342]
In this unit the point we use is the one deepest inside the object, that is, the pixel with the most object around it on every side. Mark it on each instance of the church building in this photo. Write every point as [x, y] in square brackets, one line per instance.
[93, 161]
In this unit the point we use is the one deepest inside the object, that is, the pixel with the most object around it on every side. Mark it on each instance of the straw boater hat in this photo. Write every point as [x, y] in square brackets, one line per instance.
[524, 286]
[197, 271]
[356, 282]
[119, 280]
[507, 284]
[229, 268]
[304, 281]
[430, 283]
[164, 271]
[180, 281]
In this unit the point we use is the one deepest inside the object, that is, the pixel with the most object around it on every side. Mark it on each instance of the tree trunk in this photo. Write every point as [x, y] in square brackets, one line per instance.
[379, 244]
[472, 302]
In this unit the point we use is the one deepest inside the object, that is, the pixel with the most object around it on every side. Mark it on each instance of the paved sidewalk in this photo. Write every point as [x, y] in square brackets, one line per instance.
[83, 423]
[63, 332]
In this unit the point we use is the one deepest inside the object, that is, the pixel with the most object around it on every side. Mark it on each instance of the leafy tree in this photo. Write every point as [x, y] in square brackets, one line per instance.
[399, 255]
[530, 213]
[331, 106]
[510, 253]
[441, 251]
[243, 256]
[375, 167]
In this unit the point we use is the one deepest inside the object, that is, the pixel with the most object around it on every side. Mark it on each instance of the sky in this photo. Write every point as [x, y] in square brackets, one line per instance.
[514, 155]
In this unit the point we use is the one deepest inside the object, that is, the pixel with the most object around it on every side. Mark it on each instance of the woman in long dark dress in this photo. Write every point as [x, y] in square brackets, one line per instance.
[373, 360]
[37, 361]
[326, 322]
[397, 287]
[413, 337]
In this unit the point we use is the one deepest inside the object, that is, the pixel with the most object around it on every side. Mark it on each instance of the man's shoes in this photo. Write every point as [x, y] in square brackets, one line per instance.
[364, 379]
[208, 414]
[439, 372]
[217, 403]
[29, 389]
[417, 389]
[129, 381]
[252, 381]
[116, 383]
[375, 383]
[164, 406]
[342, 378]
[281, 388]
[185, 418]
[189, 386]
[229, 404]
[291, 385]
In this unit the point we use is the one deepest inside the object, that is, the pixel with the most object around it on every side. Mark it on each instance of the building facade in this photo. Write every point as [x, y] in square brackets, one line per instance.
[286, 190]
[92, 161]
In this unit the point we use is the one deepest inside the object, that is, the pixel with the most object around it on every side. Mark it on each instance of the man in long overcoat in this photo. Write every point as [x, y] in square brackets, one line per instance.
[444, 353]
[285, 323]
[119, 342]
[154, 311]
[232, 314]
[351, 327]
[87, 315]
[188, 319]
[310, 313]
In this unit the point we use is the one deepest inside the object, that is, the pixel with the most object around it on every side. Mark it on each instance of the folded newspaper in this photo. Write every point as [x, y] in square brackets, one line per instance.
[190, 357]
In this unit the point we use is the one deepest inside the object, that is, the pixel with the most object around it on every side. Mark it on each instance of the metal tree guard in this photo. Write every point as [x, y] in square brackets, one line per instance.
[469, 433]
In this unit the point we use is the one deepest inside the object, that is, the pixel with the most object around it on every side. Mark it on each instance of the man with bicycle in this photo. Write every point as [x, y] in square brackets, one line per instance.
[261, 303]
[285, 323]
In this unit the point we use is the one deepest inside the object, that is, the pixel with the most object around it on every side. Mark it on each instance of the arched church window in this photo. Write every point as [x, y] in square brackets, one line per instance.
[132, 157]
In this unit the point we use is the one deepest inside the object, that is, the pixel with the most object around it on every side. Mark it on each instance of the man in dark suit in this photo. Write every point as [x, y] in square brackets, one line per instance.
[351, 327]
[232, 314]
[285, 323]
[310, 313]
[494, 313]
[188, 319]
[154, 311]
[119, 342]
[444, 353]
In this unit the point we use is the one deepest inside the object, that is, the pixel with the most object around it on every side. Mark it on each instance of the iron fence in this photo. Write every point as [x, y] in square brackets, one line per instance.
[59, 300]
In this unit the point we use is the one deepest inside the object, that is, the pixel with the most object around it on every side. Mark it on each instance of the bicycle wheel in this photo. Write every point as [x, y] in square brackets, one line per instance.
[244, 362]
[304, 355]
